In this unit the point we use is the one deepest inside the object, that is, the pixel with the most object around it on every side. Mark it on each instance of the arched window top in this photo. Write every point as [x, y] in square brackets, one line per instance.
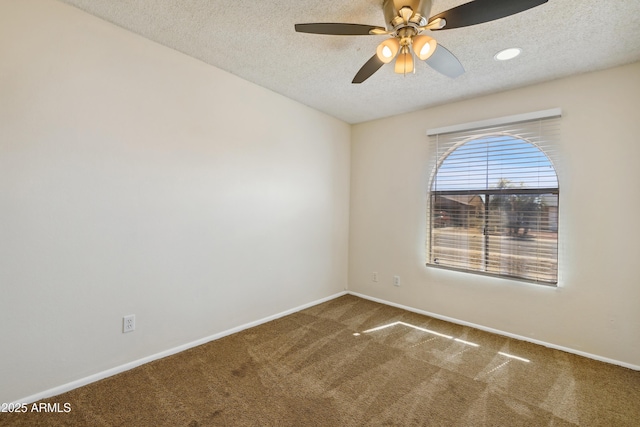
[494, 161]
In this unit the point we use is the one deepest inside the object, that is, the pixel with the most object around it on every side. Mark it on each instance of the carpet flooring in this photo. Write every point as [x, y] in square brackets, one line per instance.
[353, 362]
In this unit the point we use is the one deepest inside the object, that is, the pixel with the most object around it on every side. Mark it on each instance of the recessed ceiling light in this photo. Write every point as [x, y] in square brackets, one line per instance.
[506, 54]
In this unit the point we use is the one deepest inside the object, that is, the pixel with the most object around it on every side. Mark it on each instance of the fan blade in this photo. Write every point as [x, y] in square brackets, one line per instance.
[338, 29]
[479, 11]
[445, 62]
[367, 70]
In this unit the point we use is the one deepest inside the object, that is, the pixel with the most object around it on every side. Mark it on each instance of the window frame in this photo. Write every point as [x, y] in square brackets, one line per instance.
[485, 129]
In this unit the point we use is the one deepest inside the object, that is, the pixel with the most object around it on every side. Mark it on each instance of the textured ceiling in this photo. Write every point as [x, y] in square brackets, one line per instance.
[256, 40]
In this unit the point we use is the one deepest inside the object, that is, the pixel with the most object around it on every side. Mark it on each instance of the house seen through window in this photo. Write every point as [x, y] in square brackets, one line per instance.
[493, 206]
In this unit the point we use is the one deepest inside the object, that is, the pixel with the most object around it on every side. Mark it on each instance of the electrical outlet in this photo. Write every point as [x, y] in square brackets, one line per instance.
[396, 280]
[374, 276]
[129, 323]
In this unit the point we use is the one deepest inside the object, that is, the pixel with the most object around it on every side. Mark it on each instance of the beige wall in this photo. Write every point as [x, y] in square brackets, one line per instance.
[595, 307]
[136, 180]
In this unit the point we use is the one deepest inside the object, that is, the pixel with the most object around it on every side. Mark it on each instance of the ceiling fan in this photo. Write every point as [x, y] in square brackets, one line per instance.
[406, 20]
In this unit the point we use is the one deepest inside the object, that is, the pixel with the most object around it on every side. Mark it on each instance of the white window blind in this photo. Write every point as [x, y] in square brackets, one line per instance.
[493, 199]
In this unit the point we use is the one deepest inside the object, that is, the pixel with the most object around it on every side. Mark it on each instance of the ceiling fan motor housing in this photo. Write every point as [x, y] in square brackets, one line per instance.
[393, 13]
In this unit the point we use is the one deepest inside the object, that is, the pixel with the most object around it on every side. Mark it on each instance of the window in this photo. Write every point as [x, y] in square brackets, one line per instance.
[493, 198]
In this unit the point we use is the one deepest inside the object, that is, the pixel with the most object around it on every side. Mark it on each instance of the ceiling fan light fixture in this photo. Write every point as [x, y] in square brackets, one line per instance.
[387, 50]
[424, 46]
[404, 63]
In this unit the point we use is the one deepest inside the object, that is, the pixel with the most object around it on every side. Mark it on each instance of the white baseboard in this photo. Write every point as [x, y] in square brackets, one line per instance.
[127, 366]
[498, 332]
